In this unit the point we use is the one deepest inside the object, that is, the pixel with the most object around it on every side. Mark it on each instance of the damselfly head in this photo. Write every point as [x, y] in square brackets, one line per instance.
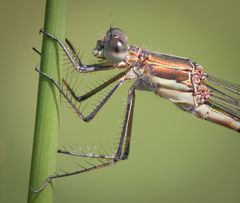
[113, 47]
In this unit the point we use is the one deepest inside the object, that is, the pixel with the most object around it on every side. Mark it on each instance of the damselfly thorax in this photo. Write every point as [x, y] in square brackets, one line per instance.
[177, 79]
[182, 78]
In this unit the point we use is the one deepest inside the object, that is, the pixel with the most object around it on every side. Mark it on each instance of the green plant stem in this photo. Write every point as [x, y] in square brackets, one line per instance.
[48, 105]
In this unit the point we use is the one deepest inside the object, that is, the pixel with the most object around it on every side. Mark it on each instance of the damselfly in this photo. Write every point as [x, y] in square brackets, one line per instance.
[177, 79]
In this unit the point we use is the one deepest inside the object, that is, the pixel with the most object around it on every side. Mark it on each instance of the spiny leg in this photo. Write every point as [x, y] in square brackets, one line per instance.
[103, 165]
[96, 90]
[104, 100]
[75, 54]
[85, 96]
[127, 127]
[129, 131]
[77, 110]
[86, 155]
[73, 57]
[126, 133]
[125, 136]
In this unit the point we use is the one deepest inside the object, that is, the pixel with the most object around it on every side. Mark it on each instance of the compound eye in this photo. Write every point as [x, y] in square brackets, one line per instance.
[115, 50]
[115, 46]
[118, 46]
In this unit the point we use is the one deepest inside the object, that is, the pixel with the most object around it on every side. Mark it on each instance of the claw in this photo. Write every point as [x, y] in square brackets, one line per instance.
[33, 191]
[40, 31]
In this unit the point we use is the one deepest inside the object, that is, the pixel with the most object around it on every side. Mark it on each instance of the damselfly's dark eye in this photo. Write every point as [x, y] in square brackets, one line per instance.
[117, 45]
[115, 50]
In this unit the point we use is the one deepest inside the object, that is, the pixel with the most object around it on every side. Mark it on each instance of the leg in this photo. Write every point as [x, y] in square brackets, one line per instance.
[73, 57]
[96, 90]
[103, 165]
[126, 134]
[86, 155]
[127, 127]
[95, 111]
[73, 51]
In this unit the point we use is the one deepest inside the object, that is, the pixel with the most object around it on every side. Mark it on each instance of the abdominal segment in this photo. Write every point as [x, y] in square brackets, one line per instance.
[176, 96]
[185, 101]
[206, 112]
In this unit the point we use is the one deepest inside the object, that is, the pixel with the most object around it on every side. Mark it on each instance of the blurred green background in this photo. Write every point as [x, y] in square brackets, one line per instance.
[175, 157]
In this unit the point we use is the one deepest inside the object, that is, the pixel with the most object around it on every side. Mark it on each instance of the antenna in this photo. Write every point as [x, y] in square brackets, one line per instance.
[111, 21]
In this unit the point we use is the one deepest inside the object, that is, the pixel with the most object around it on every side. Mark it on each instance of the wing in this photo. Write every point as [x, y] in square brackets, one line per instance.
[225, 96]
